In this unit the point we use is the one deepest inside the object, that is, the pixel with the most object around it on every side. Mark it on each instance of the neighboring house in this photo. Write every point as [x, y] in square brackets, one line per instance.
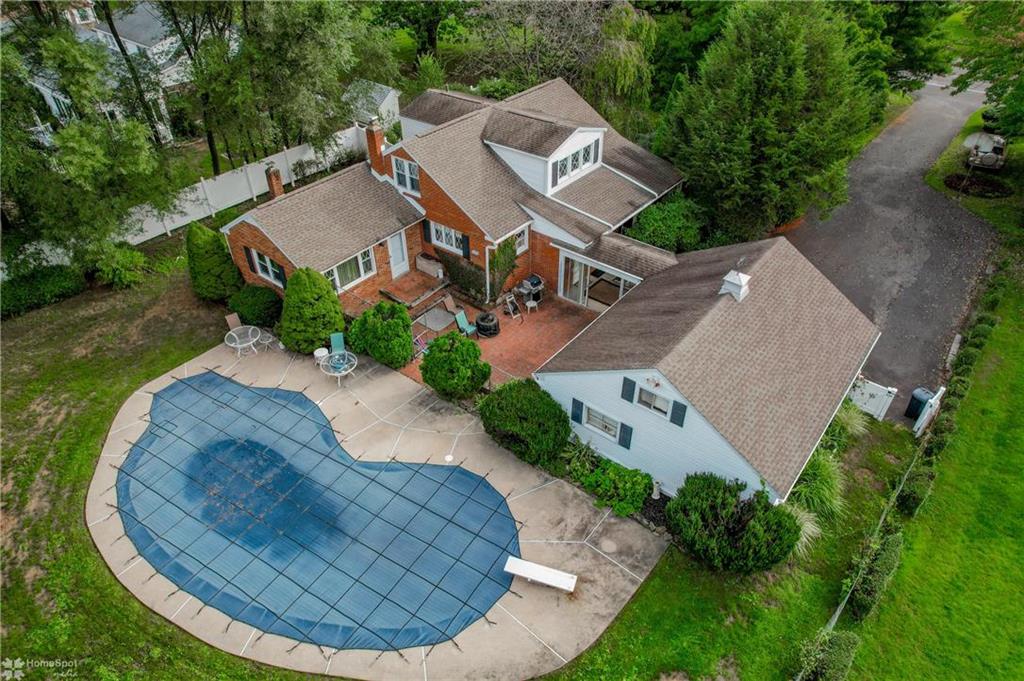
[541, 167]
[732, 361]
[370, 100]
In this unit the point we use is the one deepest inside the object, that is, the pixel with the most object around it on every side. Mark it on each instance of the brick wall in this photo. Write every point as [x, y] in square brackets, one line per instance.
[243, 234]
[544, 261]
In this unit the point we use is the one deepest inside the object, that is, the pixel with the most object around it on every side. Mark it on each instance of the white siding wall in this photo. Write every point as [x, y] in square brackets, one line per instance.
[389, 109]
[531, 169]
[411, 127]
[666, 451]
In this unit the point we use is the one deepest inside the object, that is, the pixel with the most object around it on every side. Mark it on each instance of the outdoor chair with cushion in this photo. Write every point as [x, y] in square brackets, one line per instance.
[337, 342]
[465, 327]
[449, 304]
[233, 321]
[419, 346]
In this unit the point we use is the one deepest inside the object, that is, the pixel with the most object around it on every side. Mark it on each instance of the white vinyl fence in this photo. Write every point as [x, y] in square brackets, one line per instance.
[872, 397]
[246, 183]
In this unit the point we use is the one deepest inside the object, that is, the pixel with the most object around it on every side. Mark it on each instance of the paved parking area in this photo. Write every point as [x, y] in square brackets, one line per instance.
[379, 414]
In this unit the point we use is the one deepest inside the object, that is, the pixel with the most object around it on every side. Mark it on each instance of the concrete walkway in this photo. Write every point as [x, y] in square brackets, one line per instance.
[905, 254]
[379, 413]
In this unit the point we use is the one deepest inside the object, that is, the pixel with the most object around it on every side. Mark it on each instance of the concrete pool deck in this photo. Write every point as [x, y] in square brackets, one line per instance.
[378, 414]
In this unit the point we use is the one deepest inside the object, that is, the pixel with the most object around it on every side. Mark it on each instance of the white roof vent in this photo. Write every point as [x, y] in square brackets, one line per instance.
[735, 284]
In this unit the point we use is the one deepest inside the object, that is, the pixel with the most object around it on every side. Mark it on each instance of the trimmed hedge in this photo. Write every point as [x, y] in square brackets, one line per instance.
[524, 419]
[39, 287]
[878, 564]
[828, 657]
[383, 332]
[256, 305]
[915, 490]
[453, 368]
[935, 445]
[727, 532]
[965, 359]
[213, 272]
[958, 386]
[311, 312]
[624, 489]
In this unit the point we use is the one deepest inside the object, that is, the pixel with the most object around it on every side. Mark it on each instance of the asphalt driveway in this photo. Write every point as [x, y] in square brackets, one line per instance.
[906, 255]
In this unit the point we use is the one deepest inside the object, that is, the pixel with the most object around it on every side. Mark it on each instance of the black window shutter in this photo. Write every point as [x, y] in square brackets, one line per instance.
[577, 411]
[465, 246]
[625, 435]
[628, 389]
[279, 271]
[678, 414]
[597, 148]
[554, 174]
[249, 259]
[426, 231]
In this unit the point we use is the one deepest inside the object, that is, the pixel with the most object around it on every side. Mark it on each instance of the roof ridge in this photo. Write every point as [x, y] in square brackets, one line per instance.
[534, 88]
[447, 124]
[464, 96]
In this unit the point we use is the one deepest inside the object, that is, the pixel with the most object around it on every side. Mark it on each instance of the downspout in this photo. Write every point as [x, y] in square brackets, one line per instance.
[487, 273]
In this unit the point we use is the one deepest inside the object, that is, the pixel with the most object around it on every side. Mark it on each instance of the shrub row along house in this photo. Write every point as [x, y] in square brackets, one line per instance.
[731, 360]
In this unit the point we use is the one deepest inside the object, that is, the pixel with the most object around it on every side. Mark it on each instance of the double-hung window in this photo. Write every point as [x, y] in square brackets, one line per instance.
[446, 238]
[268, 269]
[351, 271]
[601, 422]
[407, 174]
[656, 403]
[522, 241]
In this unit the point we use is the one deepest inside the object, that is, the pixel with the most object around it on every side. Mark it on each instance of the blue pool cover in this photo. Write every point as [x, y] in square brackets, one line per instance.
[243, 498]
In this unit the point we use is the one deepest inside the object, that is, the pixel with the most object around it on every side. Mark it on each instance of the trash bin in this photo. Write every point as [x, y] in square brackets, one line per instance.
[918, 399]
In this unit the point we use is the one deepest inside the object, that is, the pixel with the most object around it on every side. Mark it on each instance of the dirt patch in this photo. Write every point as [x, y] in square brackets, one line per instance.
[727, 670]
[978, 184]
[865, 477]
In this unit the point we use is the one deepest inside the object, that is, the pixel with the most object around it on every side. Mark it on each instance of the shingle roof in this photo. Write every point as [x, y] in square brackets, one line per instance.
[629, 255]
[332, 219]
[439, 106]
[366, 97]
[141, 25]
[767, 372]
[606, 195]
[519, 130]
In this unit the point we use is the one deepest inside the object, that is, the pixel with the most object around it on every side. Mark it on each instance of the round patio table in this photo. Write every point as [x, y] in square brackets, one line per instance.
[339, 364]
[242, 338]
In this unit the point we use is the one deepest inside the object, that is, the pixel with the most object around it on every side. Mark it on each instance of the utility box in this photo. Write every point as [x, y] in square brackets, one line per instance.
[918, 399]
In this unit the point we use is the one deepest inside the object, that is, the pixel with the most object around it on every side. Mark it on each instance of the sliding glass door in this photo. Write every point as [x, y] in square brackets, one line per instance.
[574, 280]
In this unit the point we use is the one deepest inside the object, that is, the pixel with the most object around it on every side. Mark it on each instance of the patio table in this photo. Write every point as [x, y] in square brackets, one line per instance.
[242, 338]
[339, 364]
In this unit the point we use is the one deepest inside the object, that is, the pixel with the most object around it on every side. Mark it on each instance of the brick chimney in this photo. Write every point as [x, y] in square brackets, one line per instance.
[274, 183]
[375, 146]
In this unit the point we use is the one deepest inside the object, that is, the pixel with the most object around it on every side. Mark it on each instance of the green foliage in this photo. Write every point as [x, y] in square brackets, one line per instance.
[828, 656]
[766, 126]
[919, 45]
[524, 419]
[935, 445]
[820, 487]
[624, 489]
[685, 30]
[503, 262]
[311, 312]
[213, 272]
[118, 266]
[383, 332]
[426, 21]
[729, 533]
[429, 74]
[915, 490]
[964, 362]
[464, 275]
[256, 305]
[38, 287]
[673, 224]
[498, 88]
[980, 332]
[453, 368]
[958, 386]
[877, 565]
[852, 419]
[580, 458]
[870, 50]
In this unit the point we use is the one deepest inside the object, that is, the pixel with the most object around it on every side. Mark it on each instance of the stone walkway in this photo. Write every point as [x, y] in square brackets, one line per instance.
[378, 414]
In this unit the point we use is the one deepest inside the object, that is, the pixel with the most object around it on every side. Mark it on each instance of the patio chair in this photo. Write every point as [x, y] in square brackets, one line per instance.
[449, 304]
[419, 346]
[337, 342]
[465, 327]
[233, 321]
[512, 305]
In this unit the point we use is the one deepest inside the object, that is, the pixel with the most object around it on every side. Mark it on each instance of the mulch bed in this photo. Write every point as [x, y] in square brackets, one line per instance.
[977, 184]
[654, 511]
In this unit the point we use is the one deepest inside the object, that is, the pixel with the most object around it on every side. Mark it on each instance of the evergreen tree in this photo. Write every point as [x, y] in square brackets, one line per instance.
[919, 45]
[213, 272]
[311, 312]
[766, 127]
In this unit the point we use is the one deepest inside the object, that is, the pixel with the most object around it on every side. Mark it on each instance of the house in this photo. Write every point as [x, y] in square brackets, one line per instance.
[541, 168]
[370, 100]
[732, 361]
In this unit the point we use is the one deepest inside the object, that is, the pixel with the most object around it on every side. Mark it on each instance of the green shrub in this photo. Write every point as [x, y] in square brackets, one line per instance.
[119, 266]
[935, 445]
[820, 487]
[986, 318]
[463, 275]
[453, 368]
[852, 419]
[990, 301]
[727, 532]
[964, 362]
[383, 332]
[41, 286]
[213, 272]
[982, 331]
[624, 489]
[256, 305]
[944, 424]
[916, 489]
[828, 656]
[580, 458]
[878, 564]
[524, 419]
[958, 386]
[498, 88]
[311, 312]
[673, 224]
[975, 342]
[950, 403]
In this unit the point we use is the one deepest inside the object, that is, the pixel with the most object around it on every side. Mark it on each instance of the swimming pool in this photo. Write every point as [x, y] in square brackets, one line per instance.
[243, 498]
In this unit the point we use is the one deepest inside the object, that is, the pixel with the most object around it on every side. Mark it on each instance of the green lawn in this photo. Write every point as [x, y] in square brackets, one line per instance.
[1007, 215]
[896, 104]
[687, 619]
[954, 607]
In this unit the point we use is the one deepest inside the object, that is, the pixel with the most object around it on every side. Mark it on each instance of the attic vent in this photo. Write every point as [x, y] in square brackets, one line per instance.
[735, 284]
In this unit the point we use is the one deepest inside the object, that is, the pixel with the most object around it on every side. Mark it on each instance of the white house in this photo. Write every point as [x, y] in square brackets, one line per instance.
[733, 362]
[370, 100]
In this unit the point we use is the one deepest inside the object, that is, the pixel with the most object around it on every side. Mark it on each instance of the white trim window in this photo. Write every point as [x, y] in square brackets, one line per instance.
[602, 423]
[570, 165]
[267, 268]
[656, 403]
[446, 237]
[407, 174]
[522, 238]
[348, 273]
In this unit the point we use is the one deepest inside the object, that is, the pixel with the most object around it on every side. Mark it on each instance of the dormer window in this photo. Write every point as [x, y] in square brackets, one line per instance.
[407, 175]
[577, 161]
